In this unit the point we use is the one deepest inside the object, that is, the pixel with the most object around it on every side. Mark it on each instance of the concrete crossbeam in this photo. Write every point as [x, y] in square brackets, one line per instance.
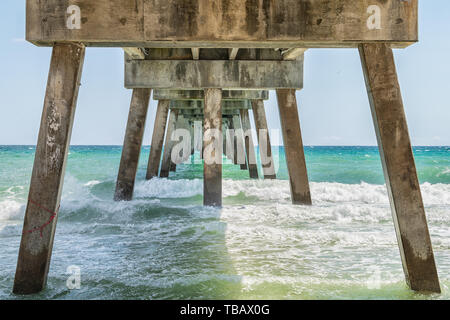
[225, 74]
[199, 95]
[199, 104]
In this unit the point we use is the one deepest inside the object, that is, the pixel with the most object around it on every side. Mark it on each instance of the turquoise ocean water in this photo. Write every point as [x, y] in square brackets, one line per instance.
[165, 245]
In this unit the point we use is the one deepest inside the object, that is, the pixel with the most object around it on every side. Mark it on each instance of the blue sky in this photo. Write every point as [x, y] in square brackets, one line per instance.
[334, 108]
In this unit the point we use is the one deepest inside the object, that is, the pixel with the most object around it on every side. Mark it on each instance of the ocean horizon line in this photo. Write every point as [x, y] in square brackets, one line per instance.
[147, 145]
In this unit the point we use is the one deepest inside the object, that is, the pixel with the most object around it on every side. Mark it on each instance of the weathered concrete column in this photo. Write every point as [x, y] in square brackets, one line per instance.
[198, 137]
[262, 132]
[235, 145]
[179, 124]
[249, 145]
[49, 167]
[182, 145]
[230, 142]
[293, 147]
[239, 144]
[212, 136]
[202, 151]
[224, 136]
[399, 167]
[166, 161]
[192, 134]
[132, 144]
[159, 129]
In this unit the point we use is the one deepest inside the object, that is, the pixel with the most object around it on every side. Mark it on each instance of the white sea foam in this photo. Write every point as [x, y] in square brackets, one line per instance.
[11, 210]
[270, 190]
[333, 202]
[92, 183]
[262, 189]
[332, 192]
[436, 194]
[165, 188]
[269, 243]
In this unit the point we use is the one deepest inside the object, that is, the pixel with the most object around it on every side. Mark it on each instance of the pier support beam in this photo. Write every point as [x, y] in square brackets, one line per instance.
[192, 134]
[132, 144]
[198, 137]
[224, 136]
[399, 167]
[265, 147]
[293, 147]
[212, 136]
[159, 129]
[239, 144]
[49, 168]
[231, 74]
[249, 144]
[167, 161]
[230, 142]
[182, 146]
[181, 123]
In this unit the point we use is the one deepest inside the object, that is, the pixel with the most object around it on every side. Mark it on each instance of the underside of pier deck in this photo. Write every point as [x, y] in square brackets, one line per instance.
[222, 23]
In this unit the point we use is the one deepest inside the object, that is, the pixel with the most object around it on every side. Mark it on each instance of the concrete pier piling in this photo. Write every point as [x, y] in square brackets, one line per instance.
[224, 136]
[49, 166]
[230, 142]
[192, 134]
[182, 149]
[265, 147]
[132, 144]
[159, 129]
[198, 137]
[212, 136]
[168, 144]
[399, 167]
[239, 143]
[174, 161]
[293, 147]
[249, 144]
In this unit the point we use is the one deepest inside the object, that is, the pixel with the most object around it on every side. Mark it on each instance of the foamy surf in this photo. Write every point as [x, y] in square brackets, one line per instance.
[165, 245]
[342, 200]
[11, 210]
